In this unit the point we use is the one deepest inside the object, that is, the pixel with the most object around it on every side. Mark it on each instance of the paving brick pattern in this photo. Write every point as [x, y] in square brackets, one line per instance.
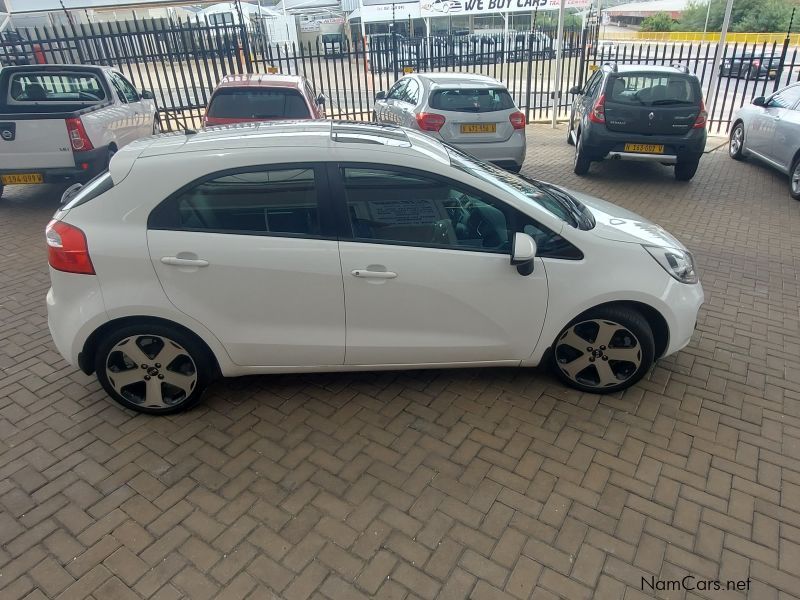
[488, 484]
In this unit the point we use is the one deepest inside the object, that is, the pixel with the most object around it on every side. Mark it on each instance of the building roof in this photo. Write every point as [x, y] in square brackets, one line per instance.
[645, 9]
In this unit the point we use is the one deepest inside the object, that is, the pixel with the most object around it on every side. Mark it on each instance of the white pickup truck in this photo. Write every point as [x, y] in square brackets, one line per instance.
[63, 123]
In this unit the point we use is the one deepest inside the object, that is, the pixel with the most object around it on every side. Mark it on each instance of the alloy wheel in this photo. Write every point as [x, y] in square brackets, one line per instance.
[598, 353]
[151, 371]
[796, 179]
[737, 137]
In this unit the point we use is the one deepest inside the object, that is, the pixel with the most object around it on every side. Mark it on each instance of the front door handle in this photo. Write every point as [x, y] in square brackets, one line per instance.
[363, 273]
[184, 262]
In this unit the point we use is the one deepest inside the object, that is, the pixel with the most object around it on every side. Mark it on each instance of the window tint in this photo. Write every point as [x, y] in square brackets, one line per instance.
[127, 90]
[786, 98]
[55, 87]
[651, 89]
[277, 201]
[472, 100]
[253, 103]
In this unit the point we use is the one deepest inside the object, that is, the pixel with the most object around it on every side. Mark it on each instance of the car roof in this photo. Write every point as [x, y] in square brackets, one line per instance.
[57, 67]
[327, 135]
[459, 80]
[261, 80]
[646, 69]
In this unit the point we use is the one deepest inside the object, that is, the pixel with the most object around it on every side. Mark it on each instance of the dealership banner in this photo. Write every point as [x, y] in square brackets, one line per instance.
[441, 8]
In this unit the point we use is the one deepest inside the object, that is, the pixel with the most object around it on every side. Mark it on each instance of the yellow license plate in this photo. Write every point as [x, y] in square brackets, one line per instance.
[645, 148]
[479, 128]
[22, 178]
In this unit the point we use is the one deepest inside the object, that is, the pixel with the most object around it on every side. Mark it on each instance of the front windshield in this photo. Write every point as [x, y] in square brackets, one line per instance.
[552, 199]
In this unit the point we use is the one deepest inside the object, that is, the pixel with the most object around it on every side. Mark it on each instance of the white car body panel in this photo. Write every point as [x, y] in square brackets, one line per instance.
[274, 304]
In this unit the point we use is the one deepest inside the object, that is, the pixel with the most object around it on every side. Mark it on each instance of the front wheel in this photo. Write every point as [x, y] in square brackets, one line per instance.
[605, 350]
[154, 369]
[156, 125]
[684, 171]
[570, 141]
[736, 144]
[794, 182]
[581, 164]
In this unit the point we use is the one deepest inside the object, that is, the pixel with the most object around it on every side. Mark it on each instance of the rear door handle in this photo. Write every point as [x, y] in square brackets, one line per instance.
[184, 262]
[363, 273]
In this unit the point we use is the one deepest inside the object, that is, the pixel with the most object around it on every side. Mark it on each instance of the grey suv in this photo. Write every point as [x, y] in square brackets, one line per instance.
[639, 112]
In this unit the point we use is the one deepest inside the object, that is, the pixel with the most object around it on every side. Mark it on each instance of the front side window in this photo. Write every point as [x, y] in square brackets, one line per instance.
[255, 104]
[786, 98]
[397, 90]
[477, 100]
[129, 93]
[55, 87]
[263, 201]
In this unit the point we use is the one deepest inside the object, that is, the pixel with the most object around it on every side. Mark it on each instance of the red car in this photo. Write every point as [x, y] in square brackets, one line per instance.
[261, 97]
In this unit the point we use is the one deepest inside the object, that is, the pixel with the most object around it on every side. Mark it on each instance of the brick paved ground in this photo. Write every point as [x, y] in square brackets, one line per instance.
[485, 484]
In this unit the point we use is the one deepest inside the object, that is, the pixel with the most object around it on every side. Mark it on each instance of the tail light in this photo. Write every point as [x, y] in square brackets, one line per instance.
[598, 112]
[430, 121]
[517, 120]
[67, 249]
[702, 117]
[77, 135]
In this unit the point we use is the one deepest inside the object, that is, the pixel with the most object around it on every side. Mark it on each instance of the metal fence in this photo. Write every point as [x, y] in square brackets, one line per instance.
[182, 61]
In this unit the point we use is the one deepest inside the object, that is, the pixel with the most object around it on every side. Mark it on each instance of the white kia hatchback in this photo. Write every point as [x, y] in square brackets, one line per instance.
[319, 246]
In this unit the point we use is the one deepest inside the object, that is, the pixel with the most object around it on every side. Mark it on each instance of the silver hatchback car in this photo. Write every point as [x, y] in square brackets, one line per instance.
[769, 129]
[474, 113]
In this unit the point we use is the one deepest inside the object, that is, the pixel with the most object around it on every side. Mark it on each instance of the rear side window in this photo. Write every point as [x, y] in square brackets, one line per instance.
[254, 103]
[55, 87]
[263, 201]
[652, 89]
[472, 100]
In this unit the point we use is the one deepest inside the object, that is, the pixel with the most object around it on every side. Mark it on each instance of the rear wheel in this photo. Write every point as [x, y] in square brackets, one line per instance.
[1, 191]
[580, 163]
[154, 369]
[605, 350]
[684, 171]
[794, 182]
[736, 144]
[570, 141]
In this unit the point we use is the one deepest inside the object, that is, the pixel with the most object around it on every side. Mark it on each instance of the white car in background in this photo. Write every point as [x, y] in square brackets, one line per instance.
[63, 123]
[474, 113]
[319, 246]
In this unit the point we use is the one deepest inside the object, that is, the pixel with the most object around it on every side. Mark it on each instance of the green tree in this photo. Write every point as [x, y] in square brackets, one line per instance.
[658, 22]
[758, 17]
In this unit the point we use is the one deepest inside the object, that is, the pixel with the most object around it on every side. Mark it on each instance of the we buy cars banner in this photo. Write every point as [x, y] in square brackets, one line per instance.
[438, 8]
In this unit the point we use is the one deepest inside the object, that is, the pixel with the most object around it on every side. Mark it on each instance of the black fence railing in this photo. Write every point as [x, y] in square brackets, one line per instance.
[182, 61]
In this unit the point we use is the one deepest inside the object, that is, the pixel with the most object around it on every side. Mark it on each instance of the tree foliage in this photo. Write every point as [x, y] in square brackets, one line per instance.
[658, 22]
[752, 16]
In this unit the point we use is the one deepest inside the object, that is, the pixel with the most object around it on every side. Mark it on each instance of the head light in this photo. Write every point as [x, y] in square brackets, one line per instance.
[678, 263]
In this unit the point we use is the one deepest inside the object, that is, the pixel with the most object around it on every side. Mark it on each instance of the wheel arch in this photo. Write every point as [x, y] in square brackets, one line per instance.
[657, 322]
[86, 357]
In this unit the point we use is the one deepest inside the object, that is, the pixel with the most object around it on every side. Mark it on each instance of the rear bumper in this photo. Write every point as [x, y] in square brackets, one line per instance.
[87, 165]
[600, 143]
[510, 152]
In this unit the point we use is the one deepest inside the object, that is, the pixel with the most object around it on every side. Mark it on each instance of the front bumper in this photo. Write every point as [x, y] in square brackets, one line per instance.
[682, 303]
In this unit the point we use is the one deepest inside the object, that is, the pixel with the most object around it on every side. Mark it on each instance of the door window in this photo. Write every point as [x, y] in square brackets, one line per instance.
[786, 98]
[592, 84]
[396, 91]
[279, 202]
[124, 88]
[411, 92]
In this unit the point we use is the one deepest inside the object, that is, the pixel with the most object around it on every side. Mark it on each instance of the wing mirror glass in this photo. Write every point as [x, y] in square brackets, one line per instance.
[760, 101]
[321, 99]
[575, 89]
[380, 95]
[523, 253]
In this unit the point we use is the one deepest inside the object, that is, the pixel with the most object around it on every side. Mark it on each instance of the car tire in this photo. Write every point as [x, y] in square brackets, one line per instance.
[684, 171]
[135, 384]
[514, 168]
[156, 125]
[736, 142]
[580, 164]
[1, 191]
[570, 141]
[626, 356]
[794, 179]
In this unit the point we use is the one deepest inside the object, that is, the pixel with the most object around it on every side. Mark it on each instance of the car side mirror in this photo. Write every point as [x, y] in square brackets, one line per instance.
[523, 252]
[380, 95]
[147, 95]
[576, 89]
[760, 101]
[321, 99]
